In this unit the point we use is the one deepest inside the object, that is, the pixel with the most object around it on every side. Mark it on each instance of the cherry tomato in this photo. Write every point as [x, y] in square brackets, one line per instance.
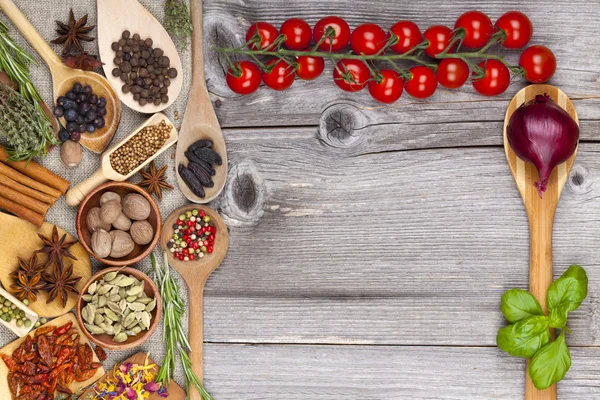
[342, 33]
[496, 78]
[517, 27]
[452, 73]
[281, 75]
[423, 82]
[439, 37]
[309, 67]
[539, 63]
[478, 29]
[247, 81]
[408, 34]
[262, 33]
[298, 33]
[351, 75]
[368, 39]
[389, 89]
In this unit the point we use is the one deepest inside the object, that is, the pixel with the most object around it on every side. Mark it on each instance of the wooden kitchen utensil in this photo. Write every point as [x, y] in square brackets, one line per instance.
[200, 121]
[112, 21]
[540, 211]
[64, 77]
[195, 273]
[106, 172]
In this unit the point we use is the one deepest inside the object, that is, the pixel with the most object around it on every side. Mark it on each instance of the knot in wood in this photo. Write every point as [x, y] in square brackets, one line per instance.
[579, 181]
[221, 31]
[341, 125]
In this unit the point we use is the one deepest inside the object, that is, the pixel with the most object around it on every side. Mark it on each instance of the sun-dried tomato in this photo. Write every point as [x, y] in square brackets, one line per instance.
[63, 329]
[45, 350]
[44, 330]
[100, 353]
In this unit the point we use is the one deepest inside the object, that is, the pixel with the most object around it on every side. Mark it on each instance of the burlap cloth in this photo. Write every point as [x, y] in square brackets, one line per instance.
[42, 15]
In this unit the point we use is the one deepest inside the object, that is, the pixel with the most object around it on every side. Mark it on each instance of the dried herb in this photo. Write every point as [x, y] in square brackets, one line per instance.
[73, 33]
[177, 21]
[155, 180]
[30, 267]
[56, 248]
[27, 287]
[83, 61]
[60, 283]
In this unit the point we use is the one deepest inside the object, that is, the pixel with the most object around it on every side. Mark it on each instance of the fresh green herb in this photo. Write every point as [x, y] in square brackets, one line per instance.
[174, 337]
[177, 20]
[529, 336]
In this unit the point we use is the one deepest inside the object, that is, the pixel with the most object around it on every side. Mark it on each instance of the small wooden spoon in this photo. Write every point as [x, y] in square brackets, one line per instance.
[200, 121]
[112, 21]
[64, 77]
[540, 211]
[195, 273]
[106, 172]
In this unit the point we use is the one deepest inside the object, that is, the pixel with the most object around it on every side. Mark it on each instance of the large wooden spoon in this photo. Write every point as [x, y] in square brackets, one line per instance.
[64, 77]
[195, 273]
[540, 211]
[200, 121]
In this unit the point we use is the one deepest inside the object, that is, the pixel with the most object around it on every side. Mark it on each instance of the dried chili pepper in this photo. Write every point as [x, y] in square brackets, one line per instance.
[63, 329]
[44, 330]
[100, 353]
[82, 376]
[45, 350]
[11, 364]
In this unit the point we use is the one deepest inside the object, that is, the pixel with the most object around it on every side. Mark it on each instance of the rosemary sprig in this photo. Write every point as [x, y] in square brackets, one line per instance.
[174, 337]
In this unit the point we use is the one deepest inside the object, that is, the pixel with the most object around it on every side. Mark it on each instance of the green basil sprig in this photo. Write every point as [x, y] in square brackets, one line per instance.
[529, 336]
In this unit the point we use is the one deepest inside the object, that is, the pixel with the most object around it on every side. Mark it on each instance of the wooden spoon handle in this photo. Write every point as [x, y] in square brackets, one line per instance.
[197, 43]
[196, 316]
[30, 33]
[77, 193]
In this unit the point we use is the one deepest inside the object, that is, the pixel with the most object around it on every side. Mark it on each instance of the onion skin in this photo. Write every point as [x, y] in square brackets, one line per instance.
[542, 133]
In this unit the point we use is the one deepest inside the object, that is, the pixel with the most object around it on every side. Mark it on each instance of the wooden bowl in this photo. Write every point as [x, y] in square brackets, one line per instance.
[93, 200]
[105, 340]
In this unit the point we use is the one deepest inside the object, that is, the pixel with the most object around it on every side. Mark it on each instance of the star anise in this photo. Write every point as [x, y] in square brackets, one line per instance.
[155, 180]
[56, 248]
[72, 34]
[26, 287]
[60, 283]
[30, 268]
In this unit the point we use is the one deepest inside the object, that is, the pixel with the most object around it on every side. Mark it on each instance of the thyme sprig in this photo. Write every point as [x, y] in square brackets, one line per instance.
[177, 21]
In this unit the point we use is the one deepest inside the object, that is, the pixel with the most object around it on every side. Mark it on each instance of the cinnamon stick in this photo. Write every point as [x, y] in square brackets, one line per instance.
[26, 190]
[36, 172]
[27, 181]
[20, 198]
[21, 211]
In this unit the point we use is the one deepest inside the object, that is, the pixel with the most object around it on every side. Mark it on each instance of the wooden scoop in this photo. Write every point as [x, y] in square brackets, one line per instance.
[106, 172]
[112, 21]
[200, 121]
[195, 273]
[540, 211]
[64, 77]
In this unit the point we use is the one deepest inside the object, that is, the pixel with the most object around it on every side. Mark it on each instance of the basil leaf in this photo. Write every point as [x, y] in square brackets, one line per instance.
[525, 337]
[567, 292]
[550, 364]
[518, 304]
[557, 318]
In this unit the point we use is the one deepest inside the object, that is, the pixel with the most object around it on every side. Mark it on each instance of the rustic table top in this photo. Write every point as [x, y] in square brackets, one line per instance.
[370, 244]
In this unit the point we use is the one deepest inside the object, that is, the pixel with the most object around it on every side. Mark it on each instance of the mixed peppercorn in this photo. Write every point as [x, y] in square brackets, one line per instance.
[193, 236]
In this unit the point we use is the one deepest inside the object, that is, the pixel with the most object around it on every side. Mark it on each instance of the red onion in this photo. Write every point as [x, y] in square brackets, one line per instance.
[543, 134]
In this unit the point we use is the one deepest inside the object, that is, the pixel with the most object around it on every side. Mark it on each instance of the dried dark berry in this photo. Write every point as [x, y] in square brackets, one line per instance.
[63, 135]
[191, 181]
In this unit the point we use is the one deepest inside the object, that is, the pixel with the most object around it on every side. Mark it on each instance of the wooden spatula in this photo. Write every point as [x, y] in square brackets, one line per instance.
[540, 211]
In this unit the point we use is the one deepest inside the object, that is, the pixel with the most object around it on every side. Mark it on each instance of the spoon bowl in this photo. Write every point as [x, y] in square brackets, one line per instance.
[540, 211]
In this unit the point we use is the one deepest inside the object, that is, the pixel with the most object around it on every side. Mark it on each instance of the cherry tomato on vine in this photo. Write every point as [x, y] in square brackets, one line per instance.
[342, 33]
[368, 39]
[351, 75]
[309, 67]
[408, 35]
[280, 77]
[423, 82]
[298, 33]
[517, 27]
[478, 29]
[439, 37]
[247, 81]
[452, 73]
[495, 80]
[263, 33]
[539, 63]
[389, 89]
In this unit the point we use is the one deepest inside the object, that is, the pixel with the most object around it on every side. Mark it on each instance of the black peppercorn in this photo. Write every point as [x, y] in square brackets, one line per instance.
[164, 98]
[157, 101]
[126, 88]
[122, 42]
[157, 52]
[124, 77]
[136, 97]
[116, 72]
[125, 67]
[172, 73]
[136, 36]
[164, 61]
[115, 46]
[148, 42]
[126, 35]
[143, 102]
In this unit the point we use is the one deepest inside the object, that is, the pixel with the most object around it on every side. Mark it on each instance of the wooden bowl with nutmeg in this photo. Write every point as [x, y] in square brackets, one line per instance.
[118, 223]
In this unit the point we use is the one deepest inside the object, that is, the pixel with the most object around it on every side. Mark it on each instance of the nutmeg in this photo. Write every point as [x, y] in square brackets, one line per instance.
[71, 153]
[94, 222]
[108, 196]
[110, 211]
[101, 243]
[122, 223]
[122, 244]
[136, 207]
[142, 232]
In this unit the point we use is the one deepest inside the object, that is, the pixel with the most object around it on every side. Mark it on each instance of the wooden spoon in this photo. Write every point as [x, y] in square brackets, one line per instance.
[195, 273]
[200, 121]
[540, 211]
[112, 21]
[64, 77]
[106, 172]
